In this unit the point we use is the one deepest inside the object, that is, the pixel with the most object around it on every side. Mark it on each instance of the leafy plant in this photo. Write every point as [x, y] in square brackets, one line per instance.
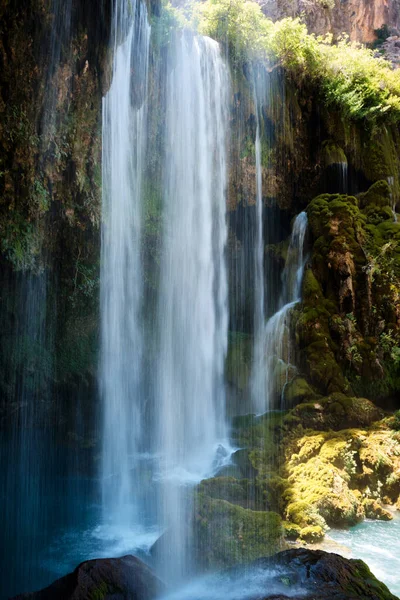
[348, 75]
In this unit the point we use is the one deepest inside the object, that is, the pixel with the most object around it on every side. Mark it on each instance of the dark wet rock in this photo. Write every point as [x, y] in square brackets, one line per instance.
[325, 576]
[126, 578]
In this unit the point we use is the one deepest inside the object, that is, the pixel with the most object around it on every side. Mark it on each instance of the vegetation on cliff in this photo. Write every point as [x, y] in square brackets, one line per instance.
[348, 76]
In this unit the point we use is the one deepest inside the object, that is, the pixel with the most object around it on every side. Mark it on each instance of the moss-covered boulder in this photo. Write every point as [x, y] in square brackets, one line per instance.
[227, 534]
[374, 510]
[348, 327]
[324, 576]
[298, 390]
[104, 579]
[339, 478]
[226, 488]
[336, 412]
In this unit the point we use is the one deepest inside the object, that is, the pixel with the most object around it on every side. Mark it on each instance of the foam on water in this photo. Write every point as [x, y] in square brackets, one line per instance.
[251, 584]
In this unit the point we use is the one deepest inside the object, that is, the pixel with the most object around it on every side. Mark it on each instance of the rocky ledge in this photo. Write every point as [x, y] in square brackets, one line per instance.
[125, 578]
[325, 576]
[319, 575]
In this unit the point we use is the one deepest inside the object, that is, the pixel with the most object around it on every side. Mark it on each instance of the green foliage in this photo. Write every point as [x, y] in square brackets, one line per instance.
[348, 76]
[382, 33]
[20, 242]
[40, 197]
[238, 23]
[326, 3]
[163, 26]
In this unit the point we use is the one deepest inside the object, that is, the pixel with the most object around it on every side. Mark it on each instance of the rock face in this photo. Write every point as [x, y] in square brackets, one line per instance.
[125, 578]
[391, 47]
[327, 576]
[319, 575]
[358, 18]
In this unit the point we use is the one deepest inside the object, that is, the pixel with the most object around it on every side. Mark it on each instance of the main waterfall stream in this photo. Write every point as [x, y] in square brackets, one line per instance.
[124, 139]
[191, 327]
[193, 319]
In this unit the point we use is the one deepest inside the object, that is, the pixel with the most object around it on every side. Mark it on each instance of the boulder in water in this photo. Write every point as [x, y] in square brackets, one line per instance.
[325, 576]
[125, 578]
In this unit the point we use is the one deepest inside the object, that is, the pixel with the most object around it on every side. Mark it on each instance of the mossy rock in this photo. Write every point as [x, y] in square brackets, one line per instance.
[312, 291]
[226, 488]
[379, 194]
[324, 493]
[339, 478]
[378, 214]
[227, 534]
[291, 531]
[374, 510]
[337, 412]
[241, 458]
[332, 154]
[312, 535]
[298, 390]
[380, 157]
[238, 361]
[304, 514]
[326, 576]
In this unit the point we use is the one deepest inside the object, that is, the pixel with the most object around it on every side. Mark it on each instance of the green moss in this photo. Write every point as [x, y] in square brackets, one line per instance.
[100, 592]
[364, 576]
[238, 360]
[337, 412]
[311, 288]
[304, 514]
[311, 534]
[377, 195]
[298, 390]
[291, 531]
[229, 535]
[332, 154]
[373, 510]
[226, 488]
[380, 158]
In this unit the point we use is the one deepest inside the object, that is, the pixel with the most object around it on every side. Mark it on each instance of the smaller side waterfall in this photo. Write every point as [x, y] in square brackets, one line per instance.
[393, 197]
[277, 332]
[276, 347]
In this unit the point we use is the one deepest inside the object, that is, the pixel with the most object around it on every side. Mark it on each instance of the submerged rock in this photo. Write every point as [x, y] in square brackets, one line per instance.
[325, 576]
[125, 578]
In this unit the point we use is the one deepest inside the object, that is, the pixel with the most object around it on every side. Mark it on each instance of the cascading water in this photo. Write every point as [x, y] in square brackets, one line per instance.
[393, 197]
[258, 390]
[28, 455]
[124, 139]
[343, 177]
[23, 455]
[193, 315]
[277, 347]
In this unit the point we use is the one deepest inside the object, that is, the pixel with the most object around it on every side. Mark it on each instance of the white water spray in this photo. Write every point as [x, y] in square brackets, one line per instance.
[193, 314]
[258, 390]
[124, 139]
[278, 347]
[273, 370]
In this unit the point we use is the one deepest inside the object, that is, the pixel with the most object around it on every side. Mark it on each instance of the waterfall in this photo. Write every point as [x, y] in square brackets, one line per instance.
[24, 454]
[124, 140]
[277, 344]
[343, 169]
[193, 315]
[258, 390]
[393, 197]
